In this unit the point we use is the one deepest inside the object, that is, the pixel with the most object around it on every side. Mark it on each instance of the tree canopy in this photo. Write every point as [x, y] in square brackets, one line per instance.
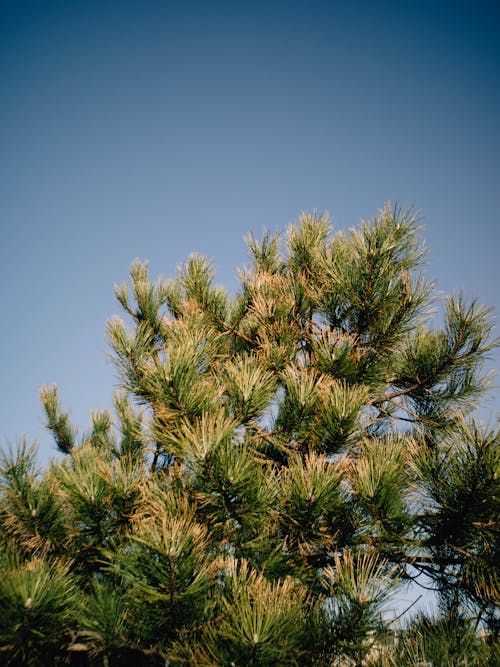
[280, 465]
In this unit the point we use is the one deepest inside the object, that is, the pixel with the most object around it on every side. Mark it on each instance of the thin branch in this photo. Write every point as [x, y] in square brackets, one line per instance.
[407, 609]
[233, 330]
[395, 394]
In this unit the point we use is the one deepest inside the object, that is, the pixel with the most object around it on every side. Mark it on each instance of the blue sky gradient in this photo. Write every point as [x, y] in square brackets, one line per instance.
[154, 129]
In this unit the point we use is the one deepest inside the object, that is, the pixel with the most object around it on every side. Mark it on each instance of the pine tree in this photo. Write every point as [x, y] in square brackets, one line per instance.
[280, 466]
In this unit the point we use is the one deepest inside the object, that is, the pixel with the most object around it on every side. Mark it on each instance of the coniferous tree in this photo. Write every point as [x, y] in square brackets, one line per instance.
[280, 466]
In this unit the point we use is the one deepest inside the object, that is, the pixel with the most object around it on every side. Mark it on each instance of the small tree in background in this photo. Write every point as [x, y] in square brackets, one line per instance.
[280, 466]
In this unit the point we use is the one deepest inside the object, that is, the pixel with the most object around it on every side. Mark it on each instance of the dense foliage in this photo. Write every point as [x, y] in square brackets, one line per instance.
[282, 465]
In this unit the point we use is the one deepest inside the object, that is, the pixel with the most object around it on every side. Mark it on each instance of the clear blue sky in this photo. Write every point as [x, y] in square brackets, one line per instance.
[154, 129]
